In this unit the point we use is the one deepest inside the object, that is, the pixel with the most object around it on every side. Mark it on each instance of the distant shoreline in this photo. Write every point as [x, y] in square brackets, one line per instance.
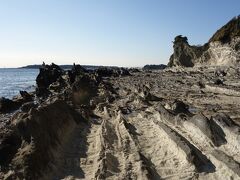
[37, 66]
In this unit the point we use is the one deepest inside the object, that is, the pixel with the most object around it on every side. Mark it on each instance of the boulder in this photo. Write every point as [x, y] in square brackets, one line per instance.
[218, 82]
[180, 107]
[220, 73]
[26, 96]
[7, 105]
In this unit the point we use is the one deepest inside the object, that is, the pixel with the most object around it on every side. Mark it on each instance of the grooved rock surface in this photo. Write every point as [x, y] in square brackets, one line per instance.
[167, 124]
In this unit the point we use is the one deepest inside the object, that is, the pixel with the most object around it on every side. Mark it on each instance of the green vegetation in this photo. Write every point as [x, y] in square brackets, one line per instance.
[228, 31]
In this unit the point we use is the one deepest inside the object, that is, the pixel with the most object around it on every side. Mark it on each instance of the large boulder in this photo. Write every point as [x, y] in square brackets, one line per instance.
[221, 49]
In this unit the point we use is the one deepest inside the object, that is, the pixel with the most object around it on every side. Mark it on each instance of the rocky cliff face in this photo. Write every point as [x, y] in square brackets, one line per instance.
[222, 48]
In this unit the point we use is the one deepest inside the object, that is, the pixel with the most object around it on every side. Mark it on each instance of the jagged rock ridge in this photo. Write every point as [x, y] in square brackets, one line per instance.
[222, 48]
[34, 135]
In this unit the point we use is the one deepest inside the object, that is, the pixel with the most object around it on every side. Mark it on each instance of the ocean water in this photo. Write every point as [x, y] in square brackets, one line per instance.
[13, 80]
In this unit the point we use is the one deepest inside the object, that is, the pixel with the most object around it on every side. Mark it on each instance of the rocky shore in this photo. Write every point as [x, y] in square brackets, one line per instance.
[181, 122]
[36, 126]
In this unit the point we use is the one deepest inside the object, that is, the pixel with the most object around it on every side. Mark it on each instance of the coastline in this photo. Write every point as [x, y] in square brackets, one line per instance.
[180, 122]
[80, 118]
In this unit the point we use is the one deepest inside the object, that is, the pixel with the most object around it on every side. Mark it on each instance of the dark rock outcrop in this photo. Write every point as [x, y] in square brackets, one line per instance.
[9, 144]
[48, 74]
[104, 72]
[7, 105]
[180, 107]
[36, 137]
[133, 70]
[28, 106]
[154, 67]
[221, 49]
[26, 96]
[112, 72]
[224, 120]
[185, 54]
[76, 71]
[84, 88]
[218, 82]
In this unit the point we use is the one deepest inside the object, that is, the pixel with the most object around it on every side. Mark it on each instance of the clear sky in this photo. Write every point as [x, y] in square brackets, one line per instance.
[105, 32]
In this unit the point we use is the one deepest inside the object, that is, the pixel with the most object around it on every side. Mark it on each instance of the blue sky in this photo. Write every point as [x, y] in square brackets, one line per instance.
[105, 32]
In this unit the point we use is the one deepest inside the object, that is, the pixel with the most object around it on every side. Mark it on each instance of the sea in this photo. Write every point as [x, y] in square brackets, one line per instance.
[13, 80]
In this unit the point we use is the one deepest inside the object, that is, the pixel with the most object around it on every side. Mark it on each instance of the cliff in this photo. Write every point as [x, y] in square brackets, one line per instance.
[222, 48]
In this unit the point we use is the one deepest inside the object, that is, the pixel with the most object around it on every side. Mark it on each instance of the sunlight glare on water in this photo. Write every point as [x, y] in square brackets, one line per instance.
[14, 80]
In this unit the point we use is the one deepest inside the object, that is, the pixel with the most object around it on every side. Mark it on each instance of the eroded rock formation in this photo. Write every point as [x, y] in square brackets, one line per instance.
[222, 49]
[109, 124]
[34, 138]
[9, 105]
